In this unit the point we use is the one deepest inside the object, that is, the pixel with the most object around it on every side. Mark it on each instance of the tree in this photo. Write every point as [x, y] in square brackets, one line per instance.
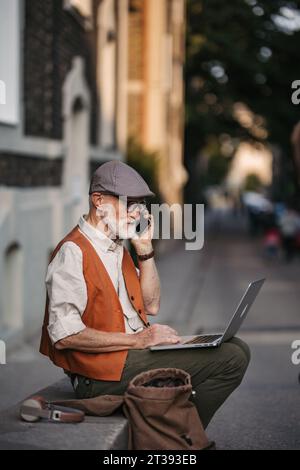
[241, 59]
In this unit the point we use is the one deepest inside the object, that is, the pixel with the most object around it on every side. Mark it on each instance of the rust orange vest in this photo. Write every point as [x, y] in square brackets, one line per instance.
[103, 312]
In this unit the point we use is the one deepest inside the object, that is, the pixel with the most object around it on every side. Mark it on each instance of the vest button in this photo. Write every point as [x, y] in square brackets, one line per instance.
[139, 310]
[87, 382]
[132, 298]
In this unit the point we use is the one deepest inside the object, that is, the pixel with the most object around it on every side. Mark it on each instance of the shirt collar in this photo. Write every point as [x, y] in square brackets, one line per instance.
[97, 237]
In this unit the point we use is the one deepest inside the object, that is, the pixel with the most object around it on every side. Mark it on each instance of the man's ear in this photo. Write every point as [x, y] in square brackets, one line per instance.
[97, 199]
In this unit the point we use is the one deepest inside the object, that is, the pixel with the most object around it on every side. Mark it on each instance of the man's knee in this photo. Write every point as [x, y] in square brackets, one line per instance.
[243, 346]
[237, 354]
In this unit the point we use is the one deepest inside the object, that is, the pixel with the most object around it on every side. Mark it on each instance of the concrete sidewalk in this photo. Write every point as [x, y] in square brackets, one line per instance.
[95, 432]
[200, 292]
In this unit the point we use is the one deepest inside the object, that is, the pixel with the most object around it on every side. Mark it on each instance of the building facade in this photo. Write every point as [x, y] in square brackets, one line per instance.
[156, 48]
[77, 77]
[60, 117]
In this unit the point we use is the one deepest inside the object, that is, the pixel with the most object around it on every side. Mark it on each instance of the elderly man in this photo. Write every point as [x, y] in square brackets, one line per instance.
[96, 326]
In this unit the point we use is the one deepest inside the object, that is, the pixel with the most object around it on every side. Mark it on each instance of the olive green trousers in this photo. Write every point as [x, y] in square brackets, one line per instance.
[215, 373]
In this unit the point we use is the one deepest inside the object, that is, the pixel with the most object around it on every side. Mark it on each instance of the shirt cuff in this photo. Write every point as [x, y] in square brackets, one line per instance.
[63, 328]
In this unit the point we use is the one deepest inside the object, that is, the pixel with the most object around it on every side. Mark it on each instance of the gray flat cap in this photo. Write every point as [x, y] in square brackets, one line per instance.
[120, 179]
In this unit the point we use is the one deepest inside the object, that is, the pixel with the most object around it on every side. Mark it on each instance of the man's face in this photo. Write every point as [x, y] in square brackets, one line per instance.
[121, 215]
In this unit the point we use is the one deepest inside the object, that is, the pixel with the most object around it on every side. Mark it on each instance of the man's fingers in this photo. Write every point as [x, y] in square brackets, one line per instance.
[171, 330]
[176, 339]
[170, 336]
[165, 328]
[171, 339]
[164, 334]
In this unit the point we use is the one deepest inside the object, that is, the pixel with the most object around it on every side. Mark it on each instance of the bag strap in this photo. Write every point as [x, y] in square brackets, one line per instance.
[37, 407]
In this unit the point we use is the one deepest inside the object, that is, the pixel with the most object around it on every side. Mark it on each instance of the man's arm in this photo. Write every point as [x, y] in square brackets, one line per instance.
[149, 278]
[150, 284]
[67, 293]
[94, 341]
[67, 300]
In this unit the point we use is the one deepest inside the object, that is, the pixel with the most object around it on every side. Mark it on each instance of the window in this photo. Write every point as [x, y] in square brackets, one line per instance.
[9, 61]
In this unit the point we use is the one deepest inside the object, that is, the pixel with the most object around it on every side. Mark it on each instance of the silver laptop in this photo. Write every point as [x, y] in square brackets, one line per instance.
[214, 340]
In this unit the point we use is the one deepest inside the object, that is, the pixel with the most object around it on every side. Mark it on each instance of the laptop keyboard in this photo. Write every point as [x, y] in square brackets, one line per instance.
[203, 339]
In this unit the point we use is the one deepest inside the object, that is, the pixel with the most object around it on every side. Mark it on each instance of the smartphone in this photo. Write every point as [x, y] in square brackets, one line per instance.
[143, 223]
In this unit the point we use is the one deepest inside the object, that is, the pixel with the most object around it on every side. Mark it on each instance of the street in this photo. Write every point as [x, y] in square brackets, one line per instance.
[200, 291]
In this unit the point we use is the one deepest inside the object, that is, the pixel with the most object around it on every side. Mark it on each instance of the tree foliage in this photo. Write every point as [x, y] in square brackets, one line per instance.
[241, 59]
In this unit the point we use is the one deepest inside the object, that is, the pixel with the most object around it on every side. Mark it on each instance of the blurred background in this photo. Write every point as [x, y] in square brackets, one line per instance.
[200, 96]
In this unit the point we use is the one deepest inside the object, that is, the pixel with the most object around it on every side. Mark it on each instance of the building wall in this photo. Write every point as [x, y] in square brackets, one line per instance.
[47, 156]
[155, 87]
[137, 55]
[52, 37]
[72, 116]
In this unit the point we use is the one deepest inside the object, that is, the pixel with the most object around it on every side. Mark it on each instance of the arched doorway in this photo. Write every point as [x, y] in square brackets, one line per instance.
[12, 293]
[76, 113]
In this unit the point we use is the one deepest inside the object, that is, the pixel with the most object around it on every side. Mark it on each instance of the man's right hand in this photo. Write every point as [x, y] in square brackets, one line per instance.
[157, 335]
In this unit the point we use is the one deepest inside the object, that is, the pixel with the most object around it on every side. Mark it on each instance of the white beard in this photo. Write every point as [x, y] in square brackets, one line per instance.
[126, 231]
[117, 228]
[122, 230]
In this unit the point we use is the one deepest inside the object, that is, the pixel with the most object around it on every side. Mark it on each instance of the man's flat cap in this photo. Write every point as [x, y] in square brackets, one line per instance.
[117, 178]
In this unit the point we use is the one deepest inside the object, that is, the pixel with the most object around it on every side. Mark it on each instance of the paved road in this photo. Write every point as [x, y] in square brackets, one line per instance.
[200, 291]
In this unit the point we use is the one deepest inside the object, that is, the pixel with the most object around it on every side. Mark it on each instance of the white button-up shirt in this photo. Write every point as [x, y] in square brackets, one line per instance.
[67, 290]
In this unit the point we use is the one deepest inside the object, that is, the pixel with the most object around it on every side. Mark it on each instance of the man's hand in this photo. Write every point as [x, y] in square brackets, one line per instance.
[149, 279]
[143, 243]
[157, 335]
